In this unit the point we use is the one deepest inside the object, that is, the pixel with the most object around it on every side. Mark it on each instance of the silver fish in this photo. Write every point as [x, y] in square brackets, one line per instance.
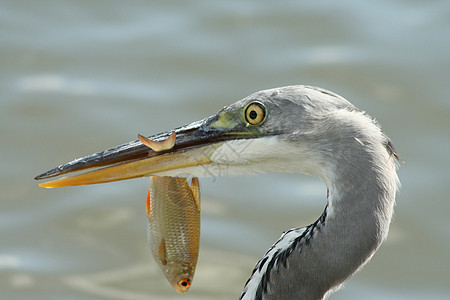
[173, 211]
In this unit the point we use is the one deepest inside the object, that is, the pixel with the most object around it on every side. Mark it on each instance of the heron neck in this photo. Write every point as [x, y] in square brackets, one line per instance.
[306, 263]
[361, 197]
[360, 207]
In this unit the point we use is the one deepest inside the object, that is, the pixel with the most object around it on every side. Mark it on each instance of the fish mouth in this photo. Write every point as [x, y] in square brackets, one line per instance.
[194, 145]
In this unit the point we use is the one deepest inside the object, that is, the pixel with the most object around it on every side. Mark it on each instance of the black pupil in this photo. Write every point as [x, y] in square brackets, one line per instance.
[253, 114]
[184, 283]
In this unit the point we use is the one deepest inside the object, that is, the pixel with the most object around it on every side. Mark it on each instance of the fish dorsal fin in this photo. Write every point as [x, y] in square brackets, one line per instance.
[195, 188]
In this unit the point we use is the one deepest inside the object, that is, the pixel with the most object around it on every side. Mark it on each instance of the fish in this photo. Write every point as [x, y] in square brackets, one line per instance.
[173, 213]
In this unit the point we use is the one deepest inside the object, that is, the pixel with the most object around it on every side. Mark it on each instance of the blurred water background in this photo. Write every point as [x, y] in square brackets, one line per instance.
[78, 76]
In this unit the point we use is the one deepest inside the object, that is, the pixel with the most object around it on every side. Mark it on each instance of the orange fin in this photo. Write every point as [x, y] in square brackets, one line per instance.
[159, 146]
[148, 206]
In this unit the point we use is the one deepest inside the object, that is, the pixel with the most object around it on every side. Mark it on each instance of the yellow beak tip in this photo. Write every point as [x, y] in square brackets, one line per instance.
[60, 182]
[47, 185]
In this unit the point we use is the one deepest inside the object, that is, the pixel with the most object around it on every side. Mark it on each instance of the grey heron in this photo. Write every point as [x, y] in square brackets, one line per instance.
[297, 129]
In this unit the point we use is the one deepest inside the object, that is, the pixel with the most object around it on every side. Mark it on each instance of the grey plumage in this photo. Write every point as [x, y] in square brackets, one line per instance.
[356, 161]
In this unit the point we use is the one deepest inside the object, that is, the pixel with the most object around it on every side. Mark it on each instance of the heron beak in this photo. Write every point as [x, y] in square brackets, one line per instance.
[193, 146]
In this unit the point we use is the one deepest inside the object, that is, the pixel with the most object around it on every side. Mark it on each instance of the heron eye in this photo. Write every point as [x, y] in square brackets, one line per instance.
[255, 113]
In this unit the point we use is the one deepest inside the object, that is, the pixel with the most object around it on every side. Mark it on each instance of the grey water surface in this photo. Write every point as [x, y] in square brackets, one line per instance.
[78, 76]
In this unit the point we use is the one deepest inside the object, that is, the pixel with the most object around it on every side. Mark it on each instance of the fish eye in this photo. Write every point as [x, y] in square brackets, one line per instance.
[255, 113]
[184, 283]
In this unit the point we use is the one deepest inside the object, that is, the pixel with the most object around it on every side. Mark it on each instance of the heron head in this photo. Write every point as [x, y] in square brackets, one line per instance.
[271, 130]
